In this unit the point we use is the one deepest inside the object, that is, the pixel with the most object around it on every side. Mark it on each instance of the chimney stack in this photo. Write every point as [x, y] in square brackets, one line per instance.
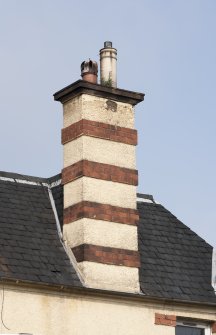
[100, 178]
[108, 60]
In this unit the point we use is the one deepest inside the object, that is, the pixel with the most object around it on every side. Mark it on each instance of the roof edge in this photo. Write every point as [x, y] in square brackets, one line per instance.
[105, 293]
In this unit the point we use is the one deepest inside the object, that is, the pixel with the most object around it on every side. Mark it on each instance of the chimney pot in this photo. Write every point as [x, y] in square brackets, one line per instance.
[108, 59]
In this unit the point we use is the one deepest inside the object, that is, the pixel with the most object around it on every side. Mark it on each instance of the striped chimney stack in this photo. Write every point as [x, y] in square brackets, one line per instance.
[100, 179]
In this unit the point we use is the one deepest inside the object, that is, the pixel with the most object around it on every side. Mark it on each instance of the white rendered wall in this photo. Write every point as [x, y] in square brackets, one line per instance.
[46, 313]
[100, 151]
[98, 232]
[101, 191]
[97, 109]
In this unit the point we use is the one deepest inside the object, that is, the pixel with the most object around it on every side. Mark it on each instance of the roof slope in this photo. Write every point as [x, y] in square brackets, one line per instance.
[175, 262]
[30, 248]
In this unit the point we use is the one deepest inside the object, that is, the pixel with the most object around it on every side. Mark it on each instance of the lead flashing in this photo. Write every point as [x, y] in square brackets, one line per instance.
[84, 87]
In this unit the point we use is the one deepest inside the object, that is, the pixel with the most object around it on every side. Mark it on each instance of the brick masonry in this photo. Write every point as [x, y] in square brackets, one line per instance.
[214, 328]
[100, 130]
[165, 320]
[106, 255]
[97, 211]
[99, 171]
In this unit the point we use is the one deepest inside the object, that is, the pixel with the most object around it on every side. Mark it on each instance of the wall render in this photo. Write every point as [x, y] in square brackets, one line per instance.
[41, 312]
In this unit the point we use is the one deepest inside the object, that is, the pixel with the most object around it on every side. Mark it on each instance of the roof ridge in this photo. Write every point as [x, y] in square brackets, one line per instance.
[30, 180]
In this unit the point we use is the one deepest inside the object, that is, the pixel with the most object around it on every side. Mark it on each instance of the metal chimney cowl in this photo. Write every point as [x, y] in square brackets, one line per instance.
[89, 71]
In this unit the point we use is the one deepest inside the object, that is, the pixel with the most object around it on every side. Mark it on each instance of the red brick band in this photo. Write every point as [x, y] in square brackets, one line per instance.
[99, 171]
[97, 211]
[164, 319]
[101, 130]
[106, 255]
[214, 328]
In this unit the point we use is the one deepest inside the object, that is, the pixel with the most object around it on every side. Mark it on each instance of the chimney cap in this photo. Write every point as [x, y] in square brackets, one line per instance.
[107, 44]
[84, 87]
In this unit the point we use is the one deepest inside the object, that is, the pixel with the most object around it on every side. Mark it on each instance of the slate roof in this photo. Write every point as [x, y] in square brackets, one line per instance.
[30, 248]
[175, 262]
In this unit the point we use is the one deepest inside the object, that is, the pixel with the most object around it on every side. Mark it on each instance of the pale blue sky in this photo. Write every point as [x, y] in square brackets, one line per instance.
[166, 49]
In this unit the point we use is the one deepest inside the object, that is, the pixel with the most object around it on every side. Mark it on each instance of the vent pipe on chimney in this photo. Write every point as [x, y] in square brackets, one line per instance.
[89, 70]
[108, 60]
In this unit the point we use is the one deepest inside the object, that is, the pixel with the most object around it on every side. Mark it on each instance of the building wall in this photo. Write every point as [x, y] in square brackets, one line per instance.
[55, 313]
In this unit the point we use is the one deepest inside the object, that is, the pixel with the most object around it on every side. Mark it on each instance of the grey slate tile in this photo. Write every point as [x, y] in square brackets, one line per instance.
[29, 244]
[176, 262]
